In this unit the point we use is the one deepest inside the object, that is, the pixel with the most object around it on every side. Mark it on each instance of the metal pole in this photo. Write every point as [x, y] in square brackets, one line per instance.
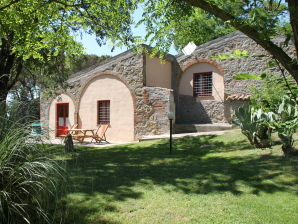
[171, 132]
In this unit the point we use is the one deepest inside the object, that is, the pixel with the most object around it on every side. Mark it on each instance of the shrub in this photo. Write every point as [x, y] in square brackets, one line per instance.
[255, 126]
[27, 176]
[286, 123]
[272, 108]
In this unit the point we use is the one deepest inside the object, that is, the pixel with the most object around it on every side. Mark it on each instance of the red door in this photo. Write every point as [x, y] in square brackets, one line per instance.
[62, 119]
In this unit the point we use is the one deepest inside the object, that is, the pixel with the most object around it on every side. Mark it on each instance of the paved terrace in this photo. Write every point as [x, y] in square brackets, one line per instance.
[145, 138]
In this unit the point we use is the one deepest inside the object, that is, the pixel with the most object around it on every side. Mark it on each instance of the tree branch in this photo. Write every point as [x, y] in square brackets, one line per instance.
[8, 5]
[293, 11]
[67, 5]
[285, 60]
[19, 66]
[286, 81]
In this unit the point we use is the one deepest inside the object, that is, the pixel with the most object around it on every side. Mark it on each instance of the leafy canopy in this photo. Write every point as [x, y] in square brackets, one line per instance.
[261, 20]
[37, 27]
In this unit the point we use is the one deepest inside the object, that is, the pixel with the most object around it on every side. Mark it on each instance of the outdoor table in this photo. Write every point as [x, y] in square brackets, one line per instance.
[80, 134]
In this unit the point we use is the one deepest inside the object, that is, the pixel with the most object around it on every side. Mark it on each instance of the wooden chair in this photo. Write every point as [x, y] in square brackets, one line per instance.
[100, 135]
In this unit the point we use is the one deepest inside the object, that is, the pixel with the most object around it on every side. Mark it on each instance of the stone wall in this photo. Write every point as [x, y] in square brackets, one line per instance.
[208, 111]
[231, 106]
[150, 103]
[151, 112]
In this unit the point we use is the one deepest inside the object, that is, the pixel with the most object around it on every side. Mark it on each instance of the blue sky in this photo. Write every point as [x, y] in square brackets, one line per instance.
[91, 46]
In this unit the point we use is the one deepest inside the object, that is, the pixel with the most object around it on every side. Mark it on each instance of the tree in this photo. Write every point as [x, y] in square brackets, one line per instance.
[23, 105]
[80, 62]
[261, 20]
[42, 30]
[200, 27]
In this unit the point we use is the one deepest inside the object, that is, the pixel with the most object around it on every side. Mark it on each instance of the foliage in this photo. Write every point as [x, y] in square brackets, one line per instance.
[80, 62]
[271, 93]
[280, 96]
[24, 104]
[261, 20]
[37, 27]
[199, 27]
[254, 125]
[40, 34]
[286, 123]
[278, 99]
[28, 177]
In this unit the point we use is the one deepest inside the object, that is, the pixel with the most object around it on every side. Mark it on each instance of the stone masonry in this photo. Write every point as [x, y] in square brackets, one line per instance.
[150, 102]
[221, 111]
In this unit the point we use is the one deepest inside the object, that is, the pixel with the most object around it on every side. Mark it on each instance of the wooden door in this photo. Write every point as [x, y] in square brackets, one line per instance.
[62, 118]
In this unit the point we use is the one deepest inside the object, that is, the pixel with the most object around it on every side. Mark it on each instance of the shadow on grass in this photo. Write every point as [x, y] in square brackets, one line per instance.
[199, 165]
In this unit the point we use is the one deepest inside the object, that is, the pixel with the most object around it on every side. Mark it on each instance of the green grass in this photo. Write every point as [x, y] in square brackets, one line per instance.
[210, 179]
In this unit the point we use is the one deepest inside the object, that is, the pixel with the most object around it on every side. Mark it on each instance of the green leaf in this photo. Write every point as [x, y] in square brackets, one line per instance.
[237, 52]
[244, 52]
[244, 76]
[272, 63]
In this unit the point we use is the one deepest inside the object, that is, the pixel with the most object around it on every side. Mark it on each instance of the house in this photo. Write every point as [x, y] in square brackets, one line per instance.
[131, 91]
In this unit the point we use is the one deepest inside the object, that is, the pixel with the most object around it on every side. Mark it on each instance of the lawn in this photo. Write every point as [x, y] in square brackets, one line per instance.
[207, 179]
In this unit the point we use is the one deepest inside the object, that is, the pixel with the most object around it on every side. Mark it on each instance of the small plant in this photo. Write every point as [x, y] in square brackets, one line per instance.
[272, 108]
[27, 177]
[286, 123]
[255, 126]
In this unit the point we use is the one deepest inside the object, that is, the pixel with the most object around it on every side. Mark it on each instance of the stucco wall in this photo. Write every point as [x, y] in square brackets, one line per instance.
[203, 109]
[186, 81]
[108, 87]
[158, 74]
[62, 98]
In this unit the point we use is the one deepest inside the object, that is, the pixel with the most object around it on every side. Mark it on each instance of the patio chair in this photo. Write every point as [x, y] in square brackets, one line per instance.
[100, 135]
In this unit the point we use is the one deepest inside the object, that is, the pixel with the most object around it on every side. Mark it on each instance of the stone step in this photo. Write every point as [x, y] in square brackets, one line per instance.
[190, 128]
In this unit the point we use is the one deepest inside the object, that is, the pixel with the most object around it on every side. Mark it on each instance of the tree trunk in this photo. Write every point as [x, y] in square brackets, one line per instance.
[293, 11]
[3, 97]
[10, 69]
[68, 147]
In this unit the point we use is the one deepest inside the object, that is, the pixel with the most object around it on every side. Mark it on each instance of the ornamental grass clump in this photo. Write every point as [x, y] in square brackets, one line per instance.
[28, 178]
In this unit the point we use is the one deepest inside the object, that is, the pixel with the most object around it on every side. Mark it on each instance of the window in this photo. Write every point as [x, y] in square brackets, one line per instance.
[103, 112]
[202, 84]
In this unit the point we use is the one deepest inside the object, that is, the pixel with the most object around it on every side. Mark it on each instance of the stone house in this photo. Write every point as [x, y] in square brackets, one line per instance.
[131, 91]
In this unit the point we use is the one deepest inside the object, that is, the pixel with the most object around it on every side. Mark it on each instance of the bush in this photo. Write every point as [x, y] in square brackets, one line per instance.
[28, 176]
[270, 96]
[272, 108]
[254, 125]
[286, 123]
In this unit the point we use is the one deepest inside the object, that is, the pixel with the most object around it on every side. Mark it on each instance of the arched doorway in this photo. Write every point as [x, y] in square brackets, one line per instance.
[61, 115]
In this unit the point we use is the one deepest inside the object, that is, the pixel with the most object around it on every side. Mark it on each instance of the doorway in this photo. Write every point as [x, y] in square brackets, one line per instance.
[62, 118]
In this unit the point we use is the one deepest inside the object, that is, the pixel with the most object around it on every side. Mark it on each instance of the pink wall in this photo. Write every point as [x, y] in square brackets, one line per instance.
[108, 87]
[158, 73]
[186, 81]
